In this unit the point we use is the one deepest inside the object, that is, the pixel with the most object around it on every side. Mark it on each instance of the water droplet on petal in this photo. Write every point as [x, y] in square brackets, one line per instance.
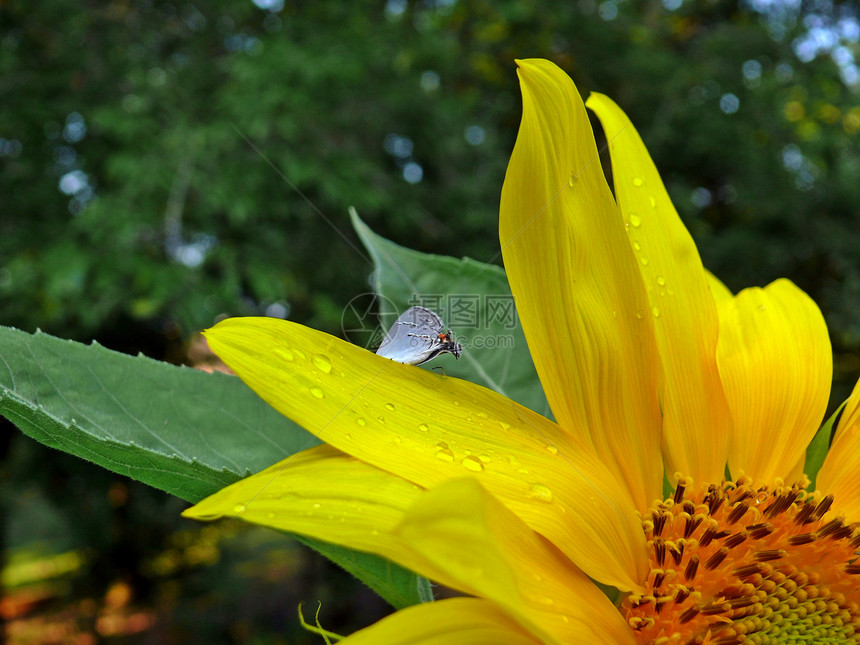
[644, 261]
[286, 354]
[240, 508]
[445, 455]
[661, 280]
[457, 403]
[553, 450]
[653, 201]
[572, 180]
[317, 391]
[640, 313]
[360, 421]
[656, 312]
[474, 464]
[381, 419]
[389, 406]
[270, 515]
[638, 181]
[540, 492]
[322, 363]
[635, 220]
[482, 414]
[423, 427]
[637, 246]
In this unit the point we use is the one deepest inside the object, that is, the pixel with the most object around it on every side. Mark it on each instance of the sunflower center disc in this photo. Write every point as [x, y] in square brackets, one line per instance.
[740, 563]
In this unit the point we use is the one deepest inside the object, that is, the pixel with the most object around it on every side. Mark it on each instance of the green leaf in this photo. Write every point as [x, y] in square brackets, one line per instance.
[817, 449]
[181, 430]
[475, 301]
[400, 587]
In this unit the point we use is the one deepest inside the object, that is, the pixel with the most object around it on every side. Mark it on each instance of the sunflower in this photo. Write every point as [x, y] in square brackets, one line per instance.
[656, 375]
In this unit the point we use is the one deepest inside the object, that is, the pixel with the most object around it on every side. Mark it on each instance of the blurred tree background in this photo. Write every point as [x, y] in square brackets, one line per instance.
[164, 163]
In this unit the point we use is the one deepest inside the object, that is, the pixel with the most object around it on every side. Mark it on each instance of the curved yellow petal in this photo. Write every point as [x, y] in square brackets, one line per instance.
[428, 428]
[696, 420]
[462, 529]
[325, 494]
[457, 534]
[719, 291]
[776, 364]
[577, 288]
[840, 472]
[456, 621]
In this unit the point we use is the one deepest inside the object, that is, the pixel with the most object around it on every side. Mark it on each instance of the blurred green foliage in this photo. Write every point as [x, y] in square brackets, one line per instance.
[162, 163]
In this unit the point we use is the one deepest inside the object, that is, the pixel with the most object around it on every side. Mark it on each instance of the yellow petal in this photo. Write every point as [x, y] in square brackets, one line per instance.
[719, 291]
[696, 421]
[840, 473]
[325, 494]
[462, 529]
[577, 288]
[428, 428]
[776, 365]
[456, 621]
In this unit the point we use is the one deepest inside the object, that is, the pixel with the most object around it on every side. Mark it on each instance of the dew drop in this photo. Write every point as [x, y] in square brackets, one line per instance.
[505, 426]
[389, 407]
[635, 220]
[572, 180]
[300, 354]
[270, 515]
[322, 363]
[540, 492]
[637, 246]
[661, 280]
[644, 261]
[653, 201]
[553, 450]
[423, 427]
[640, 314]
[455, 402]
[286, 354]
[240, 508]
[656, 312]
[445, 455]
[360, 421]
[482, 414]
[380, 418]
[474, 464]
[484, 458]
[638, 181]
[317, 391]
